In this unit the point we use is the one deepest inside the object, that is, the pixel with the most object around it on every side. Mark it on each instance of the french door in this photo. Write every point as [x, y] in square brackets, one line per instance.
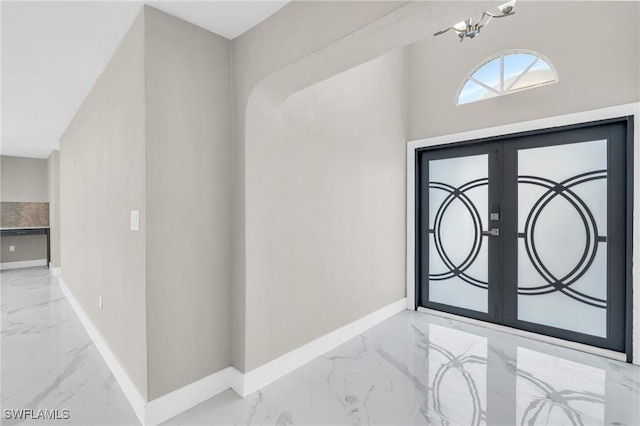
[530, 231]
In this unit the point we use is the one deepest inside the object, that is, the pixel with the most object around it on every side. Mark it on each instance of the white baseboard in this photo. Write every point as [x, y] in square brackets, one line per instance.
[167, 406]
[237, 381]
[56, 272]
[158, 410]
[130, 390]
[174, 403]
[23, 264]
[256, 379]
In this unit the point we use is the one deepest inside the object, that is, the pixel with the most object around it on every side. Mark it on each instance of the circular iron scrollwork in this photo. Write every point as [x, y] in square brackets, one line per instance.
[554, 189]
[452, 195]
[563, 284]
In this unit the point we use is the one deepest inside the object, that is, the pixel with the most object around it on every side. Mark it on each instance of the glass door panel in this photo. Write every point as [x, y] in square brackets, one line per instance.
[458, 209]
[562, 236]
[531, 231]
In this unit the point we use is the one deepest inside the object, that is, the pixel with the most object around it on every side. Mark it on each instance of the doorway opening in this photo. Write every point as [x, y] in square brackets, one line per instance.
[531, 231]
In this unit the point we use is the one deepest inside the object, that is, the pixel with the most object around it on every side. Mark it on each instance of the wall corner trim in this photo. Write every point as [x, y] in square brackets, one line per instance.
[134, 396]
[236, 382]
[56, 272]
[169, 405]
[179, 400]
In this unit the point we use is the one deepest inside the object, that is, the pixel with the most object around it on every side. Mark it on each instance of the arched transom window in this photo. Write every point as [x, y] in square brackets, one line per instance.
[507, 73]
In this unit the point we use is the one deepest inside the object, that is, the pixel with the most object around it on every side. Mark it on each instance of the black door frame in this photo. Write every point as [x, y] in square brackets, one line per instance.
[420, 216]
[492, 150]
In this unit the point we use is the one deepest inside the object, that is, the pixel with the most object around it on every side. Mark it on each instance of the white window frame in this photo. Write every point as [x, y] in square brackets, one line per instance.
[505, 91]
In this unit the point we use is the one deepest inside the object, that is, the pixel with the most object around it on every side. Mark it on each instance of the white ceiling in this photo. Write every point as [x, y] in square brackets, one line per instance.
[53, 52]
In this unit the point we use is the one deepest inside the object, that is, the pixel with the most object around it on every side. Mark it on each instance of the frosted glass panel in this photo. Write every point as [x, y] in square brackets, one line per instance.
[458, 208]
[562, 243]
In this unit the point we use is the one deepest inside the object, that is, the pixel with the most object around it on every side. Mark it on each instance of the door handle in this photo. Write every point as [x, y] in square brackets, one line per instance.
[494, 232]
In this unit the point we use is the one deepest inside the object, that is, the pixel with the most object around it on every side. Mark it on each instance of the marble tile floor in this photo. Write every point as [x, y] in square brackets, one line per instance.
[414, 368]
[48, 360]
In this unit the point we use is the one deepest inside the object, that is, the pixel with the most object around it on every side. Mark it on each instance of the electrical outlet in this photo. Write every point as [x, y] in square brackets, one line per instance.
[100, 301]
[12, 248]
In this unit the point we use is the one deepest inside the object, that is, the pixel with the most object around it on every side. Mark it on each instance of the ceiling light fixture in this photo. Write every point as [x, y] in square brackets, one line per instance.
[471, 27]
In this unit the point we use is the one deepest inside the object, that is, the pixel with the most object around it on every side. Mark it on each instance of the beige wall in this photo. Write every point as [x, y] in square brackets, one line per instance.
[23, 179]
[597, 68]
[53, 178]
[102, 178]
[285, 54]
[325, 211]
[154, 135]
[188, 175]
[297, 31]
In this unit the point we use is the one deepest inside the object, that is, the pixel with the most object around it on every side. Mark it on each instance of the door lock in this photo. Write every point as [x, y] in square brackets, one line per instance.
[494, 216]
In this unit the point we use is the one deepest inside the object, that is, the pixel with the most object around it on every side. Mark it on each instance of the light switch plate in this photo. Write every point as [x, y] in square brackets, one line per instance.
[135, 220]
[12, 248]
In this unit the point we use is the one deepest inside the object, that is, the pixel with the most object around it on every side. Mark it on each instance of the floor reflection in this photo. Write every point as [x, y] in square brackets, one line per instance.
[458, 375]
[549, 389]
[556, 391]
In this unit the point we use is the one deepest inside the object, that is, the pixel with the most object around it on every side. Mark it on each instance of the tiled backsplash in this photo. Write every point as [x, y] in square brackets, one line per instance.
[23, 215]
